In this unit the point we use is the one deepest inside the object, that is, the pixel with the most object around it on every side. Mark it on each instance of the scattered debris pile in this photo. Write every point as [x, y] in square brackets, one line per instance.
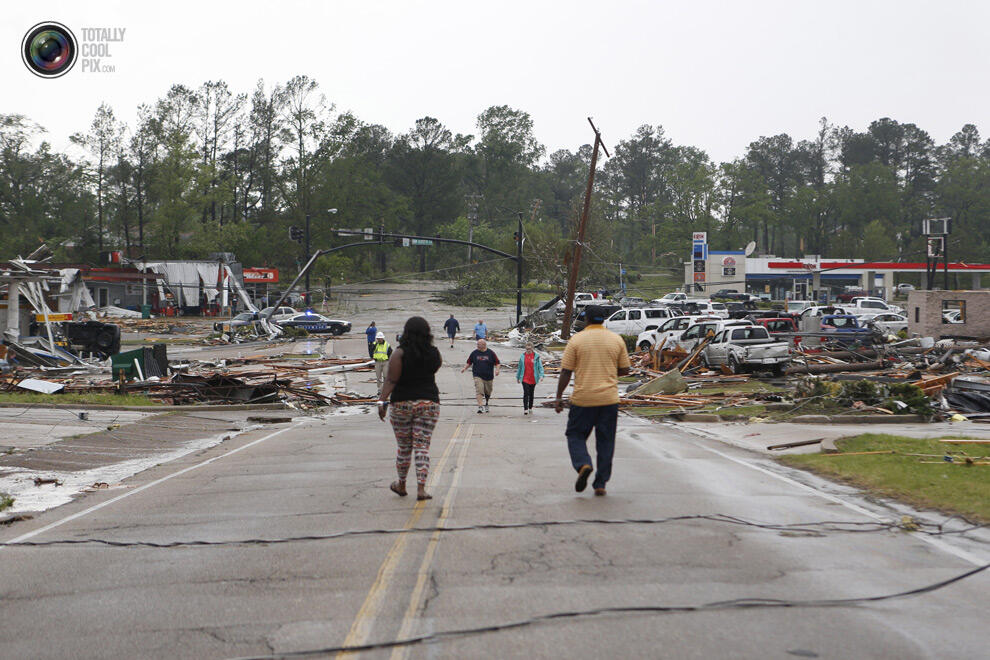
[250, 380]
[936, 380]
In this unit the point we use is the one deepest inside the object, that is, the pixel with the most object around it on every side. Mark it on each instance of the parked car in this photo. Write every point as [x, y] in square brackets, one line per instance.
[673, 297]
[280, 314]
[846, 327]
[887, 322]
[243, 320]
[952, 316]
[746, 348]
[631, 301]
[904, 287]
[316, 323]
[849, 294]
[780, 324]
[700, 307]
[670, 328]
[632, 321]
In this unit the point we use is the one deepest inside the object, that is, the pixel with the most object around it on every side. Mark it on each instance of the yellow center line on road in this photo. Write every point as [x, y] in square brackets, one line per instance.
[416, 600]
[365, 619]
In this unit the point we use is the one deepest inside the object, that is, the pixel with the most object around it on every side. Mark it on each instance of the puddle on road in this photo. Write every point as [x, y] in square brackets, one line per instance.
[310, 347]
[344, 411]
[28, 497]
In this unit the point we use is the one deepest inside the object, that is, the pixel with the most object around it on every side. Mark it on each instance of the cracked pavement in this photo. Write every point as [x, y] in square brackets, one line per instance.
[257, 599]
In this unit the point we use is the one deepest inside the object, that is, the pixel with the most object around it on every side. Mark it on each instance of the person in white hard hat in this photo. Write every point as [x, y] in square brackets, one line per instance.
[380, 353]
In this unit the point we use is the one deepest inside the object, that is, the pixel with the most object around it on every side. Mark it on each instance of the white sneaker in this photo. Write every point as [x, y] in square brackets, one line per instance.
[525, 411]
[480, 410]
[486, 408]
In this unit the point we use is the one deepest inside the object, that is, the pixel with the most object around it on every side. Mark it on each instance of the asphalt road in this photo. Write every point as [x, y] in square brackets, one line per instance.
[326, 476]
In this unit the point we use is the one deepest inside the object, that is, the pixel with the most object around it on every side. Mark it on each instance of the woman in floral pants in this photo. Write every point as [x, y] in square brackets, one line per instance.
[411, 389]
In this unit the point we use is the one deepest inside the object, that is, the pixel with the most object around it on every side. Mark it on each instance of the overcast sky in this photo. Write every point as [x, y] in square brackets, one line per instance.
[716, 75]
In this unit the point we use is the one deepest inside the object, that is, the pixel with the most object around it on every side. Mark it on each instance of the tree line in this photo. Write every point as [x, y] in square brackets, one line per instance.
[208, 169]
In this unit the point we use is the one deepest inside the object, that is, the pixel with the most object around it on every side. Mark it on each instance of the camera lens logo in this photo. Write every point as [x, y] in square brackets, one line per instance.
[49, 49]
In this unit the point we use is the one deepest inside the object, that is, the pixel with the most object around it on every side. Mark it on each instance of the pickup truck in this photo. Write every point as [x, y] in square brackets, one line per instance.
[746, 348]
[700, 329]
[581, 300]
[731, 294]
[740, 310]
[861, 305]
[846, 328]
[666, 332]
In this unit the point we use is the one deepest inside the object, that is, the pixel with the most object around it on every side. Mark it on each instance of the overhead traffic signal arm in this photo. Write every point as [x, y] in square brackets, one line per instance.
[381, 235]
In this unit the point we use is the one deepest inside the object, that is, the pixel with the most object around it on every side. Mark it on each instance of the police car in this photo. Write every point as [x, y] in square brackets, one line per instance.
[316, 323]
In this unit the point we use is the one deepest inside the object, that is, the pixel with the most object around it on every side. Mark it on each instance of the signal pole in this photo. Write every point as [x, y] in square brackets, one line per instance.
[307, 254]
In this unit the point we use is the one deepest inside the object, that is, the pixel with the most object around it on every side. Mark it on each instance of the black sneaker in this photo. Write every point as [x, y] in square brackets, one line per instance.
[582, 481]
[480, 410]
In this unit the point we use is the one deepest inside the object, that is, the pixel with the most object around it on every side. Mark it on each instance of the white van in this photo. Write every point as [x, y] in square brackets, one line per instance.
[710, 308]
[703, 307]
[634, 320]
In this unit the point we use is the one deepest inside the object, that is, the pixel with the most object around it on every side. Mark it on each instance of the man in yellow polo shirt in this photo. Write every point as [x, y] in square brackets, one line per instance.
[596, 357]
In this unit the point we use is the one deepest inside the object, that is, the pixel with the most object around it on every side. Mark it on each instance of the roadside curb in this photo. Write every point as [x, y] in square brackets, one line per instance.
[856, 419]
[804, 419]
[149, 409]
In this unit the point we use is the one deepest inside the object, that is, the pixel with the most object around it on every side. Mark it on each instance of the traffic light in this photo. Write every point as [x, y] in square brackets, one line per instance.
[296, 234]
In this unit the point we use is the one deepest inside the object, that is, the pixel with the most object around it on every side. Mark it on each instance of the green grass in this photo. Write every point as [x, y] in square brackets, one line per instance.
[946, 487]
[529, 300]
[653, 285]
[754, 410]
[6, 501]
[82, 397]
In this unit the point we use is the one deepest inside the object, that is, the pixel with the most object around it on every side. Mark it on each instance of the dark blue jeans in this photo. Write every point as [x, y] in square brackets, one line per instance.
[580, 421]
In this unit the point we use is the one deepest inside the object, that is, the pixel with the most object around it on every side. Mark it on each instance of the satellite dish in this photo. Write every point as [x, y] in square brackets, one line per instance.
[749, 248]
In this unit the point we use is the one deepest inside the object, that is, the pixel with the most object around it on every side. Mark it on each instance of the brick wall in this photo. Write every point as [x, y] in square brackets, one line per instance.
[924, 311]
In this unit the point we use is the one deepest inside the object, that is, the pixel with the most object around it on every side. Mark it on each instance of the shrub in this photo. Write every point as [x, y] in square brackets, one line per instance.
[630, 343]
[293, 332]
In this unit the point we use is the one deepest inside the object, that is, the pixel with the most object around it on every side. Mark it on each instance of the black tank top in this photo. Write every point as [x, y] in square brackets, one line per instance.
[418, 381]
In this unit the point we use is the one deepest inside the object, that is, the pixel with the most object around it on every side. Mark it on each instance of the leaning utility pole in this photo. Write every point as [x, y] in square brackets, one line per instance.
[572, 276]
